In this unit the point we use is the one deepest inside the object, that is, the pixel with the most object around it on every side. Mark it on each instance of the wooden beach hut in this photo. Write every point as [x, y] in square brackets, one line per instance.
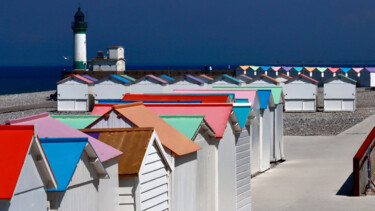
[149, 84]
[77, 169]
[131, 79]
[225, 80]
[48, 127]
[300, 94]
[340, 94]
[112, 87]
[371, 70]
[143, 167]
[90, 78]
[244, 78]
[187, 81]
[26, 171]
[263, 80]
[294, 71]
[75, 93]
[242, 69]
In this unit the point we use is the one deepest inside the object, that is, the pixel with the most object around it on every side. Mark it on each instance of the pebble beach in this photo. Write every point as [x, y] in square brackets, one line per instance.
[295, 124]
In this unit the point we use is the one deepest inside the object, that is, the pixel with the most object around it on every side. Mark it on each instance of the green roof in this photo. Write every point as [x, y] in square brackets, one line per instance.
[275, 90]
[128, 77]
[76, 121]
[186, 124]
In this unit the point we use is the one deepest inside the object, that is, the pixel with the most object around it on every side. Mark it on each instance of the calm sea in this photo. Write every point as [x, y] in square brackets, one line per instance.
[42, 78]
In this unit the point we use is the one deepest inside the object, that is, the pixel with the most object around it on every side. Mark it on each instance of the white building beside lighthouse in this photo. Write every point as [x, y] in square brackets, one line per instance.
[115, 61]
[79, 27]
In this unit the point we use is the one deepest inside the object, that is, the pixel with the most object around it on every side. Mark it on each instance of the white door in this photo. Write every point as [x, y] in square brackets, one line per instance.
[308, 105]
[348, 105]
[81, 105]
[294, 105]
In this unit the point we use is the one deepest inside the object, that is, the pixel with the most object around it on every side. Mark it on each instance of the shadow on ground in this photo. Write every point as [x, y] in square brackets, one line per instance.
[347, 188]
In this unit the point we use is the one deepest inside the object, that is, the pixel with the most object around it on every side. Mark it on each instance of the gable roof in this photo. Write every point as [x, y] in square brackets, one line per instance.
[282, 75]
[277, 91]
[186, 124]
[244, 67]
[15, 142]
[225, 76]
[142, 116]
[205, 77]
[238, 93]
[133, 142]
[244, 78]
[81, 78]
[90, 78]
[302, 76]
[242, 111]
[115, 77]
[152, 77]
[173, 97]
[216, 114]
[76, 121]
[342, 77]
[165, 77]
[265, 98]
[49, 127]
[188, 76]
[264, 76]
[128, 78]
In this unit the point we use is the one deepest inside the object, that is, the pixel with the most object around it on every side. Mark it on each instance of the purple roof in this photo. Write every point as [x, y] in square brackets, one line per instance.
[48, 127]
[371, 69]
[194, 78]
[90, 78]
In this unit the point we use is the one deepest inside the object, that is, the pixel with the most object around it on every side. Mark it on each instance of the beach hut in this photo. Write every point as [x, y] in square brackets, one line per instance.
[181, 151]
[244, 78]
[253, 71]
[76, 121]
[263, 80]
[300, 94]
[48, 127]
[178, 98]
[273, 71]
[294, 71]
[364, 77]
[371, 71]
[282, 78]
[74, 93]
[143, 167]
[225, 80]
[242, 69]
[90, 78]
[285, 70]
[77, 169]
[263, 70]
[340, 94]
[167, 78]
[233, 149]
[26, 172]
[203, 187]
[131, 79]
[112, 87]
[205, 78]
[149, 84]
[188, 81]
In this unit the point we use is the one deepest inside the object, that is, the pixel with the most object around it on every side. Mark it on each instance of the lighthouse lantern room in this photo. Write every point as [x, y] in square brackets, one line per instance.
[79, 27]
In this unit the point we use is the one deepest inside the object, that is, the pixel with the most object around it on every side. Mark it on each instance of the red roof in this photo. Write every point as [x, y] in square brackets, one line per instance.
[14, 145]
[100, 109]
[304, 76]
[178, 97]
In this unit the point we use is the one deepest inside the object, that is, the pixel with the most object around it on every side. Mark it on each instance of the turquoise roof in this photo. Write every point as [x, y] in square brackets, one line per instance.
[76, 121]
[231, 78]
[185, 124]
[242, 114]
[63, 155]
[342, 76]
[128, 78]
[239, 100]
[167, 77]
[120, 78]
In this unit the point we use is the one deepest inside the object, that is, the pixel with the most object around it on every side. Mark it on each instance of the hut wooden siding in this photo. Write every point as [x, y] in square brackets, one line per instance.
[340, 94]
[111, 88]
[74, 94]
[149, 84]
[300, 94]
[28, 173]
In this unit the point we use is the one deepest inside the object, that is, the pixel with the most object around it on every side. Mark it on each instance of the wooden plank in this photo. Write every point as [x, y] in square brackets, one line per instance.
[152, 158]
[244, 147]
[242, 175]
[243, 196]
[163, 189]
[154, 201]
[161, 206]
[243, 154]
[126, 199]
[153, 166]
[152, 175]
[153, 183]
[243, 161]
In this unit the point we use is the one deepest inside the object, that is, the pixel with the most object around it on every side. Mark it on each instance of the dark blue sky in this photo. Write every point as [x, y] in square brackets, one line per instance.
[193, 32]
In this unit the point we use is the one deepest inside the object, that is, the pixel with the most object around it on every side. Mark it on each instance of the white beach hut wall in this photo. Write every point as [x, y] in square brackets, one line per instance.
[340, 94]
[26, 171]
[149, 84]
[75, 93]
[300, 94]
[112, 87]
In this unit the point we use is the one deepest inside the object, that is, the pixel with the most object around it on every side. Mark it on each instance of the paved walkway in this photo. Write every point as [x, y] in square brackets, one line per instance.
[316, 175]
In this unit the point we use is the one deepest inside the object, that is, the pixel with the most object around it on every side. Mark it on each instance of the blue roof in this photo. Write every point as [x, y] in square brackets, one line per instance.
[120, 78]
[63, 155]
[264, 98]
[231, 78]
[242, 114]
[167, 77]
[231, 95]
[133, 101]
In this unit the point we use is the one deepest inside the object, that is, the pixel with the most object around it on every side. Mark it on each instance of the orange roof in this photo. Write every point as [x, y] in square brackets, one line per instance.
[265, 76]
[171, 138]
[178, 97]
[244, 67]
[284, 76]
[205, 76]
[132, 142]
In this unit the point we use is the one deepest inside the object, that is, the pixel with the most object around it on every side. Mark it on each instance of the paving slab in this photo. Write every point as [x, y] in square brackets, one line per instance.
[316, 174]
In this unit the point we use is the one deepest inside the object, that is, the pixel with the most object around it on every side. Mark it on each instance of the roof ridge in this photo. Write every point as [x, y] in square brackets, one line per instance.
[117, 129]
[28, 118]
[125, 105]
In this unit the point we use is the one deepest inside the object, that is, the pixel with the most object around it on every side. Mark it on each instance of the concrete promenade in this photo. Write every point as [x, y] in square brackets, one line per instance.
[316, 175]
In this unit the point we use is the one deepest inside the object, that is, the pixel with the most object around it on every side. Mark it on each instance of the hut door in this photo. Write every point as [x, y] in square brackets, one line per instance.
[347, 105]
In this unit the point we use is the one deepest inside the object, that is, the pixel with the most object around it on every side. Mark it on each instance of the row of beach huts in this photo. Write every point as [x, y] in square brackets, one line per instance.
[365, 76]
[81, 92]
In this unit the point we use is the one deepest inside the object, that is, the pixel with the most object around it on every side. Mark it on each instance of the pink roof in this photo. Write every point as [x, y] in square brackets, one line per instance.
[156, 78]
[216, 114]
[100, 109]
[79, 77]
[48, 127]
[358, 69]
[238, 93]
[333, 69]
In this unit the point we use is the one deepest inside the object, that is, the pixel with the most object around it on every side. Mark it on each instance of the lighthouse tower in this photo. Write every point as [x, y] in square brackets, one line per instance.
[79, 27]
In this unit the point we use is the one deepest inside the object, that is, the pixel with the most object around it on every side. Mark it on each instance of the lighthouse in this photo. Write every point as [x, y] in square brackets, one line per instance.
[79, 27]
